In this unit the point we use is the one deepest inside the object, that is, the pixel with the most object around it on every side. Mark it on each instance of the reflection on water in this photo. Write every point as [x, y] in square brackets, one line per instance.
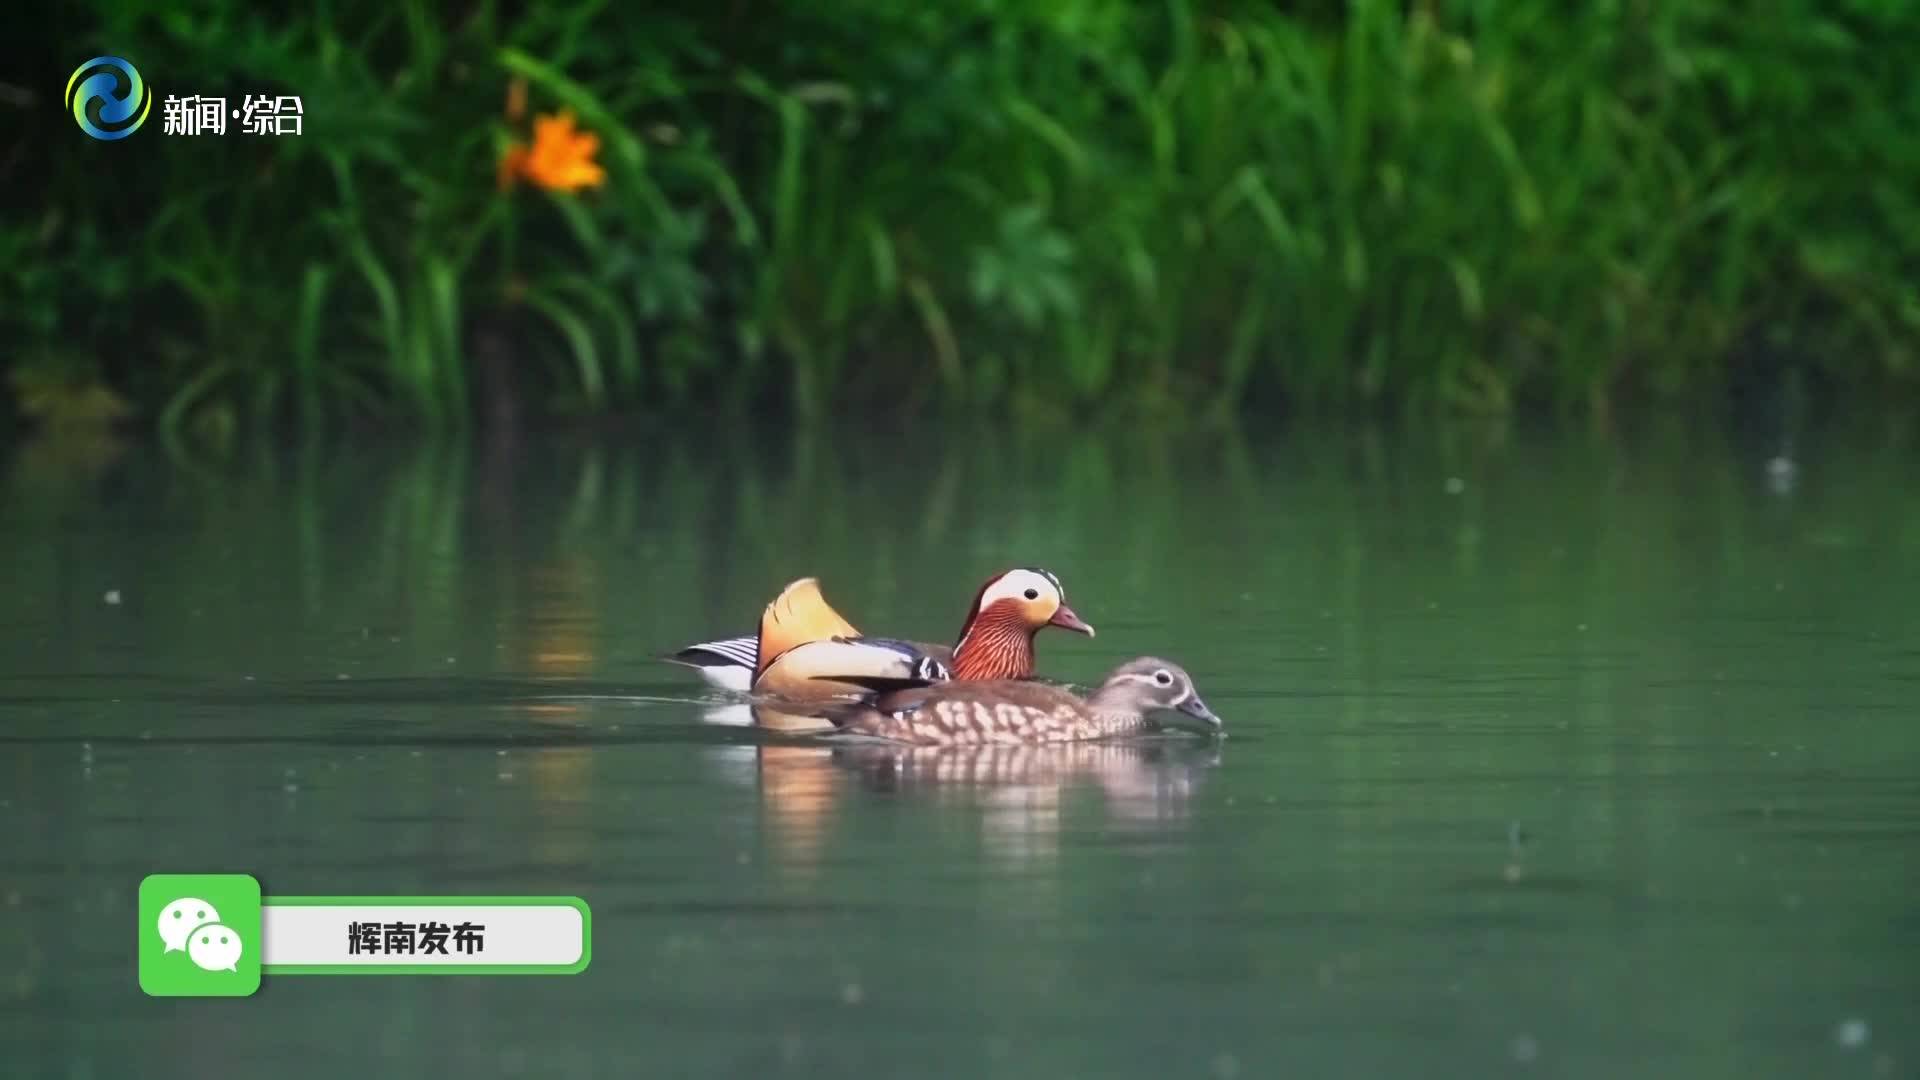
[1590, 754]
[1015, 793]
[728, 714]
[1143, 782]
[798, 798]
[1020, 791]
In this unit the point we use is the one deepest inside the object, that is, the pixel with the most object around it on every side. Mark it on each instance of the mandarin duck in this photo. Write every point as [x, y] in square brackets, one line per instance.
[804, 641]
[1010, 711]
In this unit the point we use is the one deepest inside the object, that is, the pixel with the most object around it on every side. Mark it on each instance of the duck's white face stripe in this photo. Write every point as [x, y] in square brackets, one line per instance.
[1013, 585]
[1154, 686]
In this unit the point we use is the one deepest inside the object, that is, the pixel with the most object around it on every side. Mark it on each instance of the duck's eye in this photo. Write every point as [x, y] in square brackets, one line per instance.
[1033, 594]
[1163, 678]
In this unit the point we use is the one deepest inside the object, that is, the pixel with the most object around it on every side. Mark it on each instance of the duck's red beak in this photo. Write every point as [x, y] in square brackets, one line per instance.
[1065, 619]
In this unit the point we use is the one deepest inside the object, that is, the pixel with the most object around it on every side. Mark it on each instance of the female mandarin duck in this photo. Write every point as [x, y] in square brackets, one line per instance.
[804, 642]
[1008, 711]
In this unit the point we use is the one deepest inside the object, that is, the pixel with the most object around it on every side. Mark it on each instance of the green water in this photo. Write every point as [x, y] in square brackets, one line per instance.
[1560, 754]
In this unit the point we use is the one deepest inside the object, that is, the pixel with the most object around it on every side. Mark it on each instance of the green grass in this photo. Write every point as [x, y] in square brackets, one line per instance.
[1436, 206]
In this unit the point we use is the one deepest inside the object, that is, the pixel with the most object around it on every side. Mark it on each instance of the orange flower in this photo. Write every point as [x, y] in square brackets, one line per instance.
[561, 159]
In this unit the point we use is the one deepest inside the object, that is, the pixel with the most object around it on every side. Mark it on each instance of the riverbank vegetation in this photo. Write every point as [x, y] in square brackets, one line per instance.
[594, 207]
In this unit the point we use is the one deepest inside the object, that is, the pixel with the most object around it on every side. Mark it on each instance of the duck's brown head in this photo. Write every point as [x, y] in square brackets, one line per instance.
[996, 641]
[1148, 685]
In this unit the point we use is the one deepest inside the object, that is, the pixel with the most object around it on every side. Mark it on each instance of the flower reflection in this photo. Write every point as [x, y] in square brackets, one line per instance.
[564, 621]
[562, 778]
[564, 617]
[560, 646]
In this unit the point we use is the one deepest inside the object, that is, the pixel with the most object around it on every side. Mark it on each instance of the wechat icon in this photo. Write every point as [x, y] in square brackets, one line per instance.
[199, 935]
[192, 924]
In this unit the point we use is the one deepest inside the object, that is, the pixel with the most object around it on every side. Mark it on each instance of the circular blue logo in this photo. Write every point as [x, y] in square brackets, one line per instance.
[108, 98]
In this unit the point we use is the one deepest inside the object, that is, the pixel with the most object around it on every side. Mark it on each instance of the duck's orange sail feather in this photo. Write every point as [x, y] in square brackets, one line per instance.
[797, 616]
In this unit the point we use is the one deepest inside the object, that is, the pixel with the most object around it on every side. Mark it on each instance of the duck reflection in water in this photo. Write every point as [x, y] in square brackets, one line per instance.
[1149, 783]
[1021, 793]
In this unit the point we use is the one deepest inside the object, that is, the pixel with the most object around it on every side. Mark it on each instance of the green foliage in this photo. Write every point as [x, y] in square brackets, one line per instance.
[1450, 205]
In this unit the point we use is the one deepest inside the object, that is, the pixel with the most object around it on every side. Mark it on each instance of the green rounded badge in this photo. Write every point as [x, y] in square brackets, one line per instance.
[199, 935]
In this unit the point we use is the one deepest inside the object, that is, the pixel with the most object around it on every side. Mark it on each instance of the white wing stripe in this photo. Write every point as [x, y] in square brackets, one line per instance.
[740, 650]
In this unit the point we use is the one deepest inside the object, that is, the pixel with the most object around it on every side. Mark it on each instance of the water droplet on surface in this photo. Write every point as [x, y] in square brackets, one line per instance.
[112, 597]
[1852, 1034]
[1524, 1049]
[1781, 472]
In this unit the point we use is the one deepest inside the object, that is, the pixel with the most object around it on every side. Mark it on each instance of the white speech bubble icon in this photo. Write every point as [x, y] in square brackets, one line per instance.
[214, 948]
[183, 917]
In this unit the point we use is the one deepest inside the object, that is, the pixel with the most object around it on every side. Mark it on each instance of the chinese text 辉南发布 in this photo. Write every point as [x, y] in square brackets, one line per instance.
[414, 939]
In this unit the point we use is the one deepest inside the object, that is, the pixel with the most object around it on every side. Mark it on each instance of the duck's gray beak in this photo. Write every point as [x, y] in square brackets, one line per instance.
[1065, 619]
[1197, 709]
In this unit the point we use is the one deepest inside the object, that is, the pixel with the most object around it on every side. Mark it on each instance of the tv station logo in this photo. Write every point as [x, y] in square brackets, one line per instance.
[109, 100]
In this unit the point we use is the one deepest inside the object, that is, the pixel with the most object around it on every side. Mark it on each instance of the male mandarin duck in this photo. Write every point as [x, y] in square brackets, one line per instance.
[1011, 711]
[803, 642]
